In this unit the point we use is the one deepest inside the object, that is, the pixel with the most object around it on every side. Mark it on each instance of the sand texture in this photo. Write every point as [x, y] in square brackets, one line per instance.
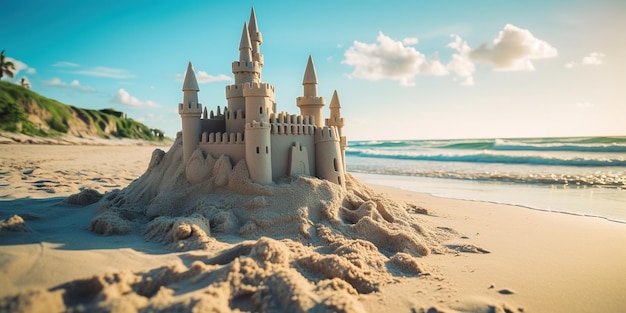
[90, 228]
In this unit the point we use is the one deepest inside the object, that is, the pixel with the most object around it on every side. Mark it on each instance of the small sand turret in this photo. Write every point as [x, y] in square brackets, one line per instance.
[310, 103]
[190, 111]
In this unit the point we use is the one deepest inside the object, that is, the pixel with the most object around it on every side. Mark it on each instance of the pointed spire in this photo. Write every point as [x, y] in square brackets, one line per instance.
[245, 46]
[254, 29]
[310, 77]
[190, 83]
[245, 38]
[334, 102]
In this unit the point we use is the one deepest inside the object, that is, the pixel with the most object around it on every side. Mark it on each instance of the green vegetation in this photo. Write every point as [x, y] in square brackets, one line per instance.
[24, 111]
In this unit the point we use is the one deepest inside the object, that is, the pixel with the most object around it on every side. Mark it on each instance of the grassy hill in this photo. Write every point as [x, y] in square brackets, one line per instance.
[27, 112]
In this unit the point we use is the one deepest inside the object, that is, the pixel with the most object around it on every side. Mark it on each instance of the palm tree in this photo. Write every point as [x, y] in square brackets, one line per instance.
[6, 67]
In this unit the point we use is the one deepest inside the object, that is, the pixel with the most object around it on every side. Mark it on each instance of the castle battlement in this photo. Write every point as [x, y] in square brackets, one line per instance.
[335, 121]
[193, 108]
[326, 133]
[258, 90]
[284, 117]
[291, 129]
[246, 66]
[311, 101]
[213, 115]
[233, 91]
[222, 138]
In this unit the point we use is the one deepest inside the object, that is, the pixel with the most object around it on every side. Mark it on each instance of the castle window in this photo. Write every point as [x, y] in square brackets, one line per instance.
[257, 150]
[261, 110]
[335, 164]
[267, 150]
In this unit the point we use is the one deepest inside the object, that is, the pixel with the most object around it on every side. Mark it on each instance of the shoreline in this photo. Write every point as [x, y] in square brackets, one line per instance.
[594, 202]
[537, 261]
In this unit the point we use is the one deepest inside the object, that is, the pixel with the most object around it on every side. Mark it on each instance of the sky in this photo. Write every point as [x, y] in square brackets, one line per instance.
[415, 69]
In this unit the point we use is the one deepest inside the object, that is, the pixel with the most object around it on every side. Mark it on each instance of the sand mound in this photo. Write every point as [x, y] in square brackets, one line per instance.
[302, 244]
[84, 197]
[14, 223]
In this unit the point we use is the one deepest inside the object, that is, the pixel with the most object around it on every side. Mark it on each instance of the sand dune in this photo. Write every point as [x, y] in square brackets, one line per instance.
[155, 243]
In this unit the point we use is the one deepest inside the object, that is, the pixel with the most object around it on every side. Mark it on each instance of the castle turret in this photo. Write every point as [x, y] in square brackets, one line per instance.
[310, 104]
[337, 121]
[259, 152]
[246, 71]
[328, 159]
[256, 39]
[190, 111]
[259, 101]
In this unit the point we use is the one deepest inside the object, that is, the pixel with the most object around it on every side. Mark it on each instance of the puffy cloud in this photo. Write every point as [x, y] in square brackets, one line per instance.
[390, 59]
[21, 66]
[203, 77]
[513, 49]
[409, 41]
[594, 58]
[123, 97]
[460, 63]
[75, 84]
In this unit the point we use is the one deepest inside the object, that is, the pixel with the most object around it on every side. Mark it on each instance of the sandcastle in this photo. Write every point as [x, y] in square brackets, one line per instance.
[272, 144]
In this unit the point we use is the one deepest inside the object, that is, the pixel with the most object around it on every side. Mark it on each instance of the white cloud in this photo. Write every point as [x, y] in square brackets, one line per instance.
[103, 71]
[594, 58]
[513, 50]
[123, 97]
[203, 77]
[390, 59]
[460, 63]
[409, 41]
[75, 84]
[96, 71]
[65, 64]
[20, 66]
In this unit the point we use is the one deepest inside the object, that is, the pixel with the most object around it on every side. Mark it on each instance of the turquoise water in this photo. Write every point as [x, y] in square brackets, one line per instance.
[585, 176]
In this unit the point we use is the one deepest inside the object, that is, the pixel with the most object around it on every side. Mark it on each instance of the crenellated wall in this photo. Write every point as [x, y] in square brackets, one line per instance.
[246, 71]
[231, 144]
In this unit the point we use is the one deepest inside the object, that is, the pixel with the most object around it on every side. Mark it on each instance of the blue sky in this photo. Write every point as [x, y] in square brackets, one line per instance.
[403, 69]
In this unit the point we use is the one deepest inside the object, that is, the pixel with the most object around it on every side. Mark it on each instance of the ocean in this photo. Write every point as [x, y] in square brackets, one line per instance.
[582, 175]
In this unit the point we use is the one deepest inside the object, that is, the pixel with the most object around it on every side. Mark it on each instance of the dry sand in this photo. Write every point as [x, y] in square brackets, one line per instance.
[279, 249]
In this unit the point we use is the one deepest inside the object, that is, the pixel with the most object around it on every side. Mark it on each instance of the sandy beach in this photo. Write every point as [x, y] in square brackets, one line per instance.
[480, 257]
